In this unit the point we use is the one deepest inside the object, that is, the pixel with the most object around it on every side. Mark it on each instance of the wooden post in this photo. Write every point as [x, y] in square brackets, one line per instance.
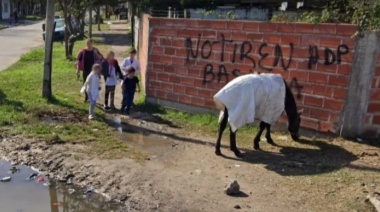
[90, 22]
[50, 25]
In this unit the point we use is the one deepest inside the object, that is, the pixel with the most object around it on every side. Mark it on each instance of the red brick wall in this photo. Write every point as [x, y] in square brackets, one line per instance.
[176, 75]
[372, 119]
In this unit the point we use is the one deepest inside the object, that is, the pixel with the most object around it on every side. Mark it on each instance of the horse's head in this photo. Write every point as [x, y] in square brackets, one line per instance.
[294, 126]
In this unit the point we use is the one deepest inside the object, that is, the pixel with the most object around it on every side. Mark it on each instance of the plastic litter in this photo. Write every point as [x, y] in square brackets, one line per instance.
[69, 181]
[13, 170]
[71, 191]
[40, 179]
[89, 190]
[5, 179]
[57, 204]
[32, 176]
[46, 184]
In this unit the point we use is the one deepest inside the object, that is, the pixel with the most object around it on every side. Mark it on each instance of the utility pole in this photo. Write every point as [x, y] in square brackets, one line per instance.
[90, 21]
[50, 25]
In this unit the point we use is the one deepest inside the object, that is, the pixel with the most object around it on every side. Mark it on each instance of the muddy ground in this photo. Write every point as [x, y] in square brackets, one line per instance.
[182, 173]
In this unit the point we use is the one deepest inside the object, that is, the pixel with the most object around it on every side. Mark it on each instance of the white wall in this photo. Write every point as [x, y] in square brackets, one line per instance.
[6, 7]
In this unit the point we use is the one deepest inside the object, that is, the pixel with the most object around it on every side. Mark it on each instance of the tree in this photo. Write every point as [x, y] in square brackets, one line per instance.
[50, 25]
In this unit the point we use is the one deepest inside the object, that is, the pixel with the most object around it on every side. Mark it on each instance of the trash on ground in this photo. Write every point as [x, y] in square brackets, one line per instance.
[57, 204]
[198, 171]
[61, 179]
[89, 190]
[13, 170]
[32, 176]
[69, 181]
[5, 179]
[232, 188]
[46, 184]
[40, 179]
[360, 140]
[71, 191]
[237, 165]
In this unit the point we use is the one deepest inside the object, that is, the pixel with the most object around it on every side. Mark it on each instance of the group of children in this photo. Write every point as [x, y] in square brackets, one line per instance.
[112, 73]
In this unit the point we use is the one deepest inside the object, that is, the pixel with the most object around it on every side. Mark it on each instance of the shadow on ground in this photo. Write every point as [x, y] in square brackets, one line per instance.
[318, 157]
[4, 101]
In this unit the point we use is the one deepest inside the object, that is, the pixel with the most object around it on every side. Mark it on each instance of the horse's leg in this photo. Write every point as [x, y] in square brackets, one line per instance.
[233, 144]
[222, 127]
[258, 136]
[268, 136]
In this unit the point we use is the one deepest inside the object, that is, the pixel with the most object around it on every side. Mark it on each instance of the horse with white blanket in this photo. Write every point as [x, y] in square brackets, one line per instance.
[255, 96]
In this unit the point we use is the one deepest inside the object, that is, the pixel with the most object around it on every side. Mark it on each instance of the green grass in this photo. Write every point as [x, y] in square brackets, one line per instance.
[24, 112]
[33, 18]
[1, 26]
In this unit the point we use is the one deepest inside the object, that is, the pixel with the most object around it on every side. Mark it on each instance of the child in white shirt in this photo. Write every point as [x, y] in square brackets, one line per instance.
[91, 87]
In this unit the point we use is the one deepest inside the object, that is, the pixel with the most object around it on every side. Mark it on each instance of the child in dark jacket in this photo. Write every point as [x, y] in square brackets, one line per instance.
[130, 83]
[111, 72]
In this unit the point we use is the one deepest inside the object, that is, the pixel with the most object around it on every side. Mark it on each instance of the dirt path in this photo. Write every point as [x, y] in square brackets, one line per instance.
[182, 173]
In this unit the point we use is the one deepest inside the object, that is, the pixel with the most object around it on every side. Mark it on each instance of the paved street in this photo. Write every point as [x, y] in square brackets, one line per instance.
[18, 40]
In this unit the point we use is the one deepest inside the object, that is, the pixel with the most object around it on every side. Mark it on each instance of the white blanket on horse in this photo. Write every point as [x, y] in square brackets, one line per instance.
[250, 97]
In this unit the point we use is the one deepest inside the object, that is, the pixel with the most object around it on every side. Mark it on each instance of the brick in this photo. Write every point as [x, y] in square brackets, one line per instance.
[191, 91]
[370, 131]
[165, 42]
[305, 28]
[376, 120]
[181, 52]
[209, 35]
[155, 58]
[330, 42]
[251, 26]
[172, 96]
[178, 61]
[162, 76]
[169, 51]
[346, 29]
[325, 29]
[166, 86]
[166, 59]
[327, 68]
[333, 104]
[344, 69]
[313, 101]
[238, 36]
[234, 25]
[170, 69]
[375, 94]
[374, 107]
[268, 27]
[191, 23]
[322, 90]
[180, 43]
[309, 123]
[272, 39]
[319, 114]
[187, 33]
[348, 58]
[299, 52]
[367, 119]
[313, 40]
[318, 77]
[174, 79]
[157, 50]
[299, 75]
[154, 22]
[256, 37]
[185, 99]
[204, 93]
[160, 94]
[287, 39]
[195, 72]
[349, 42]
[286, 28]
[340, 93]
[197, 101]
[326, 127]
[150, 92]
[158, 67]
[164, 32]
[179, 88]
[338, 80]
[187, 81]
[218, 24]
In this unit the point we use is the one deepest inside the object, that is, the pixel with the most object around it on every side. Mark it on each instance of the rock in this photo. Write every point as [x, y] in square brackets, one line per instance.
[24, 147]
[232, 188]
[237, 207]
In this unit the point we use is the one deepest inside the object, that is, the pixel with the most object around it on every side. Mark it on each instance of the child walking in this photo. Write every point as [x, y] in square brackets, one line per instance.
[130, 83]
[91, 87]
[111, 72]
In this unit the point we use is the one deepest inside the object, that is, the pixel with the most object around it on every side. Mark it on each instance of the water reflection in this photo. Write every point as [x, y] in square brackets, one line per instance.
[24, 195]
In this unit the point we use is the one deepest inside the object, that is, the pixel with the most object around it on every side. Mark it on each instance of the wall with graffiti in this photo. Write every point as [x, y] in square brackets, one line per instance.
[190, 60]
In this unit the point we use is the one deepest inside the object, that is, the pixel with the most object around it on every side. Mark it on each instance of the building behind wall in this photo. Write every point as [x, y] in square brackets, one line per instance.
[5, 9]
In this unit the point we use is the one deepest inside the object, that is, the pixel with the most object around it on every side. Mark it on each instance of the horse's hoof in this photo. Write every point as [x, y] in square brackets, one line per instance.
[218, 152]
[256, 147]
[271, 142]
[238, 154]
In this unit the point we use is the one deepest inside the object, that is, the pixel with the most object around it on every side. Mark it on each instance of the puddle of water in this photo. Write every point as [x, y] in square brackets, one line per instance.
[24, 195]
[146, 140]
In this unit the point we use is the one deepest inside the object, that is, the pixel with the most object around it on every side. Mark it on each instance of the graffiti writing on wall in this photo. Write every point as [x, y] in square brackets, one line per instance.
[204, 49]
